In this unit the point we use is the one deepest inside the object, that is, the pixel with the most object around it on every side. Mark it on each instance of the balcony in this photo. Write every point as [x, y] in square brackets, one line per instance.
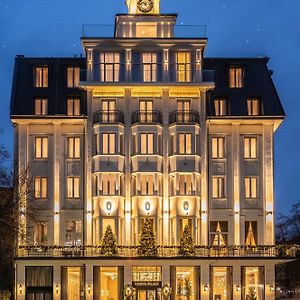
[228, 252]
[108, 117]
[146, 117]
[184, 117]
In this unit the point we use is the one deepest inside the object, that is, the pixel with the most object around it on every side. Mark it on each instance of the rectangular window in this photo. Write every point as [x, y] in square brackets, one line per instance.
[250, 147]
[41, 147]
[236, 77]
[220, 107]
[108, 111]
[149, 67]
[185, 184]
[250, 187]
[221, 278]
[41, 77]
[183, 67]
[253, 283]
[110, 67]
[73, 187]
[218, 233]
[74, 147]
[147, 185]
[146, 111]
[218, 148]
[185, 143]
[147, 146]
[40, 187]
[186, 283]
[72, 286]
[253, 107]
[73, 233]
[73, 107]
[108, 184]
[108, 143]
[218, 187]
[73, 77]
[250, 233]
[40, 106]
[40, 233]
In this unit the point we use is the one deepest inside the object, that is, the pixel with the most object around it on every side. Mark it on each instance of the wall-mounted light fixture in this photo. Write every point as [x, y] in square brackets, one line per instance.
[89, 289]
[236, 212]
[271, 288]
[205, 288]
[108, 207]
[198, 62]
[56, 289]
[147, 206]
[20, 289]
[166, 62]
[186, 206]
[238, 288]
[269, 213]
[203, 212]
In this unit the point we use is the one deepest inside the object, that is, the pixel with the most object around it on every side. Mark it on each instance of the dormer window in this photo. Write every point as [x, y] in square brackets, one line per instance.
[236, 77]
[41, 77]
[110, 67]
[253, 107]
[220, 105]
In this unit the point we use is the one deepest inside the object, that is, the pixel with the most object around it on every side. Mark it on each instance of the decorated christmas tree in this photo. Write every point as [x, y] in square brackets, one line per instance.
[109, 245]
[251, 294]
[186, 245]
[147, 244]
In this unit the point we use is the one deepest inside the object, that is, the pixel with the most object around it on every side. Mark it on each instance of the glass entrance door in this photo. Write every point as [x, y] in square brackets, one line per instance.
[146, 295]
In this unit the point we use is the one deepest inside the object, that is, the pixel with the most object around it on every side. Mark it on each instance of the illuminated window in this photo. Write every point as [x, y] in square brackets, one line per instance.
[108, 222]
[146, 111]
[250, 147]
[183, 111]
[183, 67]
[73, 77]
[236, 77]
[40, 233]
[218, 148]
[146, 30]
[110, 67]
[221, 279]
[253, 283]
[147, 146]
[108, 184]
[73, 107]
[72, 286]
[251, 233]
[185, 184]
[218, 233]
[108, 143]
[254, 107]
[149, 67]
[73, 187]
[220, 107]
[41, 106]
[106, 283]
[41, 77]
[108, 110]
[41, 147]
[147, 184]
[185, 283]
[73, 233]
[40, 187]
[250, 187]
[185, 222]
[73, 147]
[185, 143]
[218, 187]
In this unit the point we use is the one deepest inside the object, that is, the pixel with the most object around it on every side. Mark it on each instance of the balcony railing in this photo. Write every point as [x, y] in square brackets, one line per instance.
[162, 252]
[146, 73]
[184, 117]
[148, 117]
[106, 117]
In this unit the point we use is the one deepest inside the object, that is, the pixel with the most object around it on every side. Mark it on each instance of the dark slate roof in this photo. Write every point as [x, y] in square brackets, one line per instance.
[258, 83]
[24, 92]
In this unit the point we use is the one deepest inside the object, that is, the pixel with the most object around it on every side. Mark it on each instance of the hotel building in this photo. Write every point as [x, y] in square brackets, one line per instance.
[145, 126]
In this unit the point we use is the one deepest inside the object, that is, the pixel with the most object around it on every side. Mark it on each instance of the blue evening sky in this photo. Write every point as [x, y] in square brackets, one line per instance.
[234, 28]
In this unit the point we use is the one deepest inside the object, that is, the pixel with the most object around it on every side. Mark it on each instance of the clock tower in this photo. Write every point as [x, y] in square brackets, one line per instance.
[143, 7]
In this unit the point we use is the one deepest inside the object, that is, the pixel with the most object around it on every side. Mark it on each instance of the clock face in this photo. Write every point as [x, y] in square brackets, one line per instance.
[145, 6]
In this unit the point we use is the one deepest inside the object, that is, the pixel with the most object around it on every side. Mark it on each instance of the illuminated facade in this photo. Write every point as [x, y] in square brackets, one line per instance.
[146, 127]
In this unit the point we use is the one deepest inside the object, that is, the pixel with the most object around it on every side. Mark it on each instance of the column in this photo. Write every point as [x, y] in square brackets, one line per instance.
[89, 281]
[128, 74]
[236, 281]
[198, 66]
[56, 282]
[166, 275]
[204, 286]
[127, 275]
[90, 69]
[270, 282]
[20, 282]
[165, 142]
[165, 67]
[127, 145]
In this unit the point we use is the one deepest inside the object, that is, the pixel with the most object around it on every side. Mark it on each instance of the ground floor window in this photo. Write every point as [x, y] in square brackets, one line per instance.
[106, 283]
[72, 285]
[39, 283]
[185, 283]
[221, 282]
[252, 283]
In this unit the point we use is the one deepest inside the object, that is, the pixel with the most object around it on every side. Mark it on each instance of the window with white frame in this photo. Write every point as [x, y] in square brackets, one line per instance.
[108, 184]
[218, 233]
[40, 106]
[147, 184]
[73, 147]
[110, 67]
[41, 147]
[236, 77]
[41, 77]
[109, 143]
[250, 147]
[185, 143]
[147, 140]
[73, 77]
[218, 187]
[40, 187]
[73, 187]
[73, 106]
[185, 184]
[220, 107]
[218, 148]
[250, 187]
[183, 66]
[149, 67]
[73, 233]
[253, 107]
